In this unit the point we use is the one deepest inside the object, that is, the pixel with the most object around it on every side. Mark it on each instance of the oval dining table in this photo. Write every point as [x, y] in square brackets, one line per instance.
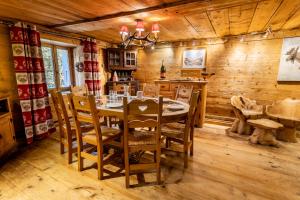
[168, 115]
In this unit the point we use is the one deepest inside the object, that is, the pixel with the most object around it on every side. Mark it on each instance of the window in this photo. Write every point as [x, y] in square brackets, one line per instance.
[57, 66]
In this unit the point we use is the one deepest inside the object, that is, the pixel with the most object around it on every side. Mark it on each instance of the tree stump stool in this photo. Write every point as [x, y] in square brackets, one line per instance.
[264, 131]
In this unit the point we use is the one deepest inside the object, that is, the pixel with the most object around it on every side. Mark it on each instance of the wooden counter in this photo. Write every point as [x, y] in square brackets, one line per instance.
[168, 89]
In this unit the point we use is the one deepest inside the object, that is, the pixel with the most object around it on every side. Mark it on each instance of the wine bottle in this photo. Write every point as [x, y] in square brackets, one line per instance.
[162, 70]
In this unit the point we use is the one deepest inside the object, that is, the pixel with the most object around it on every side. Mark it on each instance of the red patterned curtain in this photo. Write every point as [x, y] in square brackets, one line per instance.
[91, 68]
[30, 76]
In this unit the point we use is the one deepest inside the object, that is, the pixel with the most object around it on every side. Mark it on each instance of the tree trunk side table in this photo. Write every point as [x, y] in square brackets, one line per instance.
[264, 131]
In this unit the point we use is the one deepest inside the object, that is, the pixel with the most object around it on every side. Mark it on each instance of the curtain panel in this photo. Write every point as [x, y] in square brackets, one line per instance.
[31, 82]
[91, 68]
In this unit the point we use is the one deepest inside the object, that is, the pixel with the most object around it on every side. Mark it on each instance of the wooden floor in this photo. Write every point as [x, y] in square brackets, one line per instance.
[222, 168]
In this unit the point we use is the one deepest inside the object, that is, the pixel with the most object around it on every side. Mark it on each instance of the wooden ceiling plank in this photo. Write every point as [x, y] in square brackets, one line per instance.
[220, 21]
[252, 16]
[240, 18]
[285, 11]
[293, 22]
[27, 10]
[126, 13]
[211, 25]
[201, 23]
[263, 13]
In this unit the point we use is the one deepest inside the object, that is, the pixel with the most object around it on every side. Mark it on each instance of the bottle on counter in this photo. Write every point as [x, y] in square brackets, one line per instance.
[162, 70]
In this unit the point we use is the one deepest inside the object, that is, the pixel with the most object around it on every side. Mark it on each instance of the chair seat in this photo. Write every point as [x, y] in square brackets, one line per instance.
[141, 137]
[173, 130]
[107, 133]
[84, 126]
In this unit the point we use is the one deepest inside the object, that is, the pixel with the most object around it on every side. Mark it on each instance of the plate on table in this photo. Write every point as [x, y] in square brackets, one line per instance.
[175, 107]
[114, 105]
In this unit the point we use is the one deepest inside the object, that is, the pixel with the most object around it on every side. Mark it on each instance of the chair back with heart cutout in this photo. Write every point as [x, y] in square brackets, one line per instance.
[184, 94]
[150, 90]
[85, 111]
[80, 90]
[142, 112]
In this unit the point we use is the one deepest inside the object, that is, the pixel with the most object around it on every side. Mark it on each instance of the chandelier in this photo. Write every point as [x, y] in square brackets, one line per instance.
[139, 38]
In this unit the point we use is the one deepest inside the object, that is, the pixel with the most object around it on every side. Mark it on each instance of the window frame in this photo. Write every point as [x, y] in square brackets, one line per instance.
[54, 48]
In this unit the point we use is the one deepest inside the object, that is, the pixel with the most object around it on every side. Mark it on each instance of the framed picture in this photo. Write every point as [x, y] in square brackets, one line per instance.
[289, 68]
[194, 58]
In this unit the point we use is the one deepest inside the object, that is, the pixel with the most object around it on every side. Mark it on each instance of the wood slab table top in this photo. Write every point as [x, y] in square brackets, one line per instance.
[264, 123]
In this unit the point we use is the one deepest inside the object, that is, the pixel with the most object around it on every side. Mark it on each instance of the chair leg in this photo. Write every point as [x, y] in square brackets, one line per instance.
[80, 161]
[70, 154]
[100, 163]
[167, 142]
[158, 166]
[186, 153]
[62, 147]
[192, 142]
[126, 168]
[185, 159]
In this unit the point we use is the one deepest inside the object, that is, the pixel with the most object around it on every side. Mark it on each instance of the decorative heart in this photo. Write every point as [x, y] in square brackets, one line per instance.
[143, 108]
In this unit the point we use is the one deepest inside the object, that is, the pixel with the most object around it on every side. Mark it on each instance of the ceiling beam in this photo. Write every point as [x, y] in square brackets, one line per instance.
[126, 13]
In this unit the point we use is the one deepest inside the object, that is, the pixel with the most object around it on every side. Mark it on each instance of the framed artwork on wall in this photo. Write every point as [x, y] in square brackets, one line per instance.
[194, 58]
[289, 67]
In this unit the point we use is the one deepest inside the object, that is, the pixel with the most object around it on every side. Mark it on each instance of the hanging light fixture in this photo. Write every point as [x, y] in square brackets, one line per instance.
[138, 38]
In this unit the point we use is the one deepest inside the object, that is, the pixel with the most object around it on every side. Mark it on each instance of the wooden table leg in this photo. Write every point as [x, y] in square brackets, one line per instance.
[263, 136]
[202, 106]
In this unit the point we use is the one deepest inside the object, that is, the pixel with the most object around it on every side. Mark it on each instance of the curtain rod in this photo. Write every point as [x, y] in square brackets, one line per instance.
[42, 30]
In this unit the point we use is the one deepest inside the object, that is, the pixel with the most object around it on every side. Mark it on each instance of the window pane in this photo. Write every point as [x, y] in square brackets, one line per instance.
[63, 67]
[49, 67]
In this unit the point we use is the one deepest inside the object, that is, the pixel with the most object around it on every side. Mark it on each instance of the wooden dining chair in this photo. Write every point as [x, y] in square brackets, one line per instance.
[85, 111]
[184, 94]
[182, 134]
[138, 139]
[80, 90]
[66, 130]
[150, 90]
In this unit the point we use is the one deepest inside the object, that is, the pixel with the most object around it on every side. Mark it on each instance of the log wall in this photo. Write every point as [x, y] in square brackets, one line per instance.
[249, 68]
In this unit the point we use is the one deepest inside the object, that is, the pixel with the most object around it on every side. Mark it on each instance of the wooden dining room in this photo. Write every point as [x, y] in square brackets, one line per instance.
[149, 99]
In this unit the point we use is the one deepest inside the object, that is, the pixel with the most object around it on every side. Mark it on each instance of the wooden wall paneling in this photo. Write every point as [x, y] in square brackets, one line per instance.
[220, 21]
[8, 85]
[263, 13]
[247, 68]
[240, 18]
[286, 10]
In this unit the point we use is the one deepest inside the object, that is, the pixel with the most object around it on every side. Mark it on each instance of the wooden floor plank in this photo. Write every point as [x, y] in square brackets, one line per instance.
[222, 168]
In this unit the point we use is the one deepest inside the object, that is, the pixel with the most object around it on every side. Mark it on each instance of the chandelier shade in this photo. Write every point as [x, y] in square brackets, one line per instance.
[139, 25]
[124, 30]
[155, 28]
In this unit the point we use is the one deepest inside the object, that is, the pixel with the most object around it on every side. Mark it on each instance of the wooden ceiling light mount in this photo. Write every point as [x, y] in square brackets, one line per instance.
[137, 38]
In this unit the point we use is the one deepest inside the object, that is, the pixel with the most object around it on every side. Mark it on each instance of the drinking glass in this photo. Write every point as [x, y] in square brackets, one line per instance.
[139, 94]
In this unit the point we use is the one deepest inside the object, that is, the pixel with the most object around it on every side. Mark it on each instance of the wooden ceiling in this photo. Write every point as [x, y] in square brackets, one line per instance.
[178, 19]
